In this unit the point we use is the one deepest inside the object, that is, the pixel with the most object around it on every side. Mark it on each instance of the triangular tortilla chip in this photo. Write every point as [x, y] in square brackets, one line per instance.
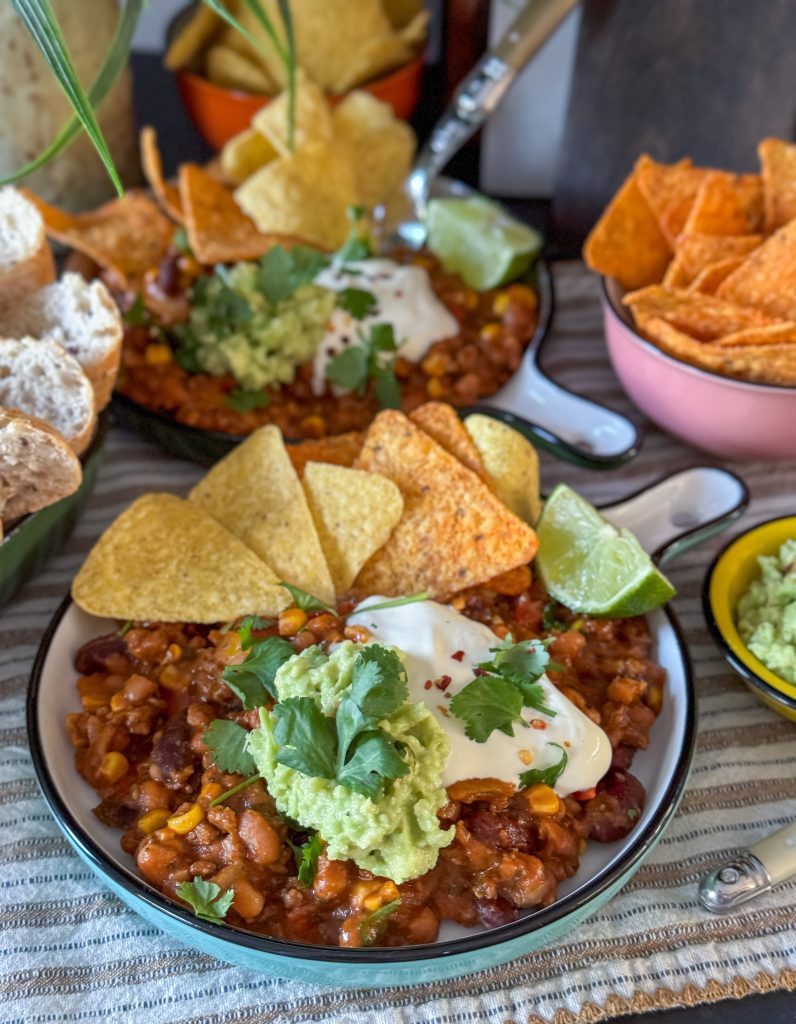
[165, 560]
[218, 230]
[244, 154]
[339, 449]
[511, 464]
[441, 421]
[778, 160]
[670, 190]
[705, 317]
[766, 279]
[720, 207]
[152, 164]
[355, 513]
[130, 235]
[454, 532]
[256, 493]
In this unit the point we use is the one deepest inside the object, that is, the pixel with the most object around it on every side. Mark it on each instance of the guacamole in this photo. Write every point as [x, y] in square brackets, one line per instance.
[766, 612]
[397, 836]
[235, 328]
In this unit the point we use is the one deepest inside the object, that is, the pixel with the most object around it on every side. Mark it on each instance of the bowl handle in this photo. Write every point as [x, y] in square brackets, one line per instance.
[572, 427]
[681, 510]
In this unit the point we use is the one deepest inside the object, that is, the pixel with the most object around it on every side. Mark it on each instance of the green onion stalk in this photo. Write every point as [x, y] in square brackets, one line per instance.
[39, 19]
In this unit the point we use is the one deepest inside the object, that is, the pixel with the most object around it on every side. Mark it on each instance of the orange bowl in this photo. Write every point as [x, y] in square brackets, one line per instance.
[220, 113]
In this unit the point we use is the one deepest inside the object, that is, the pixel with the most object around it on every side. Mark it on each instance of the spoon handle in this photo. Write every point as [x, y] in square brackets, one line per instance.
[483, 89]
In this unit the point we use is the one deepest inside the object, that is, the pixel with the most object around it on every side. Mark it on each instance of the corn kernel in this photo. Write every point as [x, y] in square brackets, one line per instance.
[522, 293]
[501, 303]
[435, 365]
[171, 677]
[491, 332]
[313, 426]
[153, 820]
[468, 299]
[186, 822]
[157, 354]
[210, 791]
[113, 766]
[542, 800]
[291, 621]
[371, 895]
[174, 651]
[434, 388]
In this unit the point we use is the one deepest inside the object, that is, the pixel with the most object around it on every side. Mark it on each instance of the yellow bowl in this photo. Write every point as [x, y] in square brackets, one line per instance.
[731, 573]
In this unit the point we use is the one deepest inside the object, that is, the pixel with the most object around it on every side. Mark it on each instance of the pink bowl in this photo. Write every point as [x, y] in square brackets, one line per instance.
[726, 417]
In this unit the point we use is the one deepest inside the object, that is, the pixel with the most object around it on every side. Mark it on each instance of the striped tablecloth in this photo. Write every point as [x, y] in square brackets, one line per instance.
[72, 952]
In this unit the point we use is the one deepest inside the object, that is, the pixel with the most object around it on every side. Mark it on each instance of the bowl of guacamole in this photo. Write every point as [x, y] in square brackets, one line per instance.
[766, 612]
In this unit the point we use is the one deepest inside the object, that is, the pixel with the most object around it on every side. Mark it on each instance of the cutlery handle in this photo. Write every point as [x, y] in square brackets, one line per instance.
[483, 89]
[681, 510]
[751, 872]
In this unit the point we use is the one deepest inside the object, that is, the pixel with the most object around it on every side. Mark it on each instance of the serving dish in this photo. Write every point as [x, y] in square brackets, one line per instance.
[729, 575]
[33, 541]
[719, 498]
[729, 418]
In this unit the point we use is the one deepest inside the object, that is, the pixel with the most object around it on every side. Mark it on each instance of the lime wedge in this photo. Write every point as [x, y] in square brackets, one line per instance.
[476, 238]
[591, 566]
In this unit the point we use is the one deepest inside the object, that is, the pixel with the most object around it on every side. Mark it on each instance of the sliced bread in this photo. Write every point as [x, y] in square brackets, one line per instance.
[37, 467]
[82, 317]
[41, 379]
[26, 261]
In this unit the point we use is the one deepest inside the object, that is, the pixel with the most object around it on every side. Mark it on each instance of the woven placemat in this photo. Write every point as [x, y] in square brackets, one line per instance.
[73, 952]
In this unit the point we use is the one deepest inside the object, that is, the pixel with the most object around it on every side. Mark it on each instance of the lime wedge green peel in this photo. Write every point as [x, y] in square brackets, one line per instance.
[591, 566]
[477, 239]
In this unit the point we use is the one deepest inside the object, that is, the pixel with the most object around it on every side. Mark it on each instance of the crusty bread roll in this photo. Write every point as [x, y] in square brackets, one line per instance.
[41, 379]
[37, 467]
[26, 261]
[82, 317]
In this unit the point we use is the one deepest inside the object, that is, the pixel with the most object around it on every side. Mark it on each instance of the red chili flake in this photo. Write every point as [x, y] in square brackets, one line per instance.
[480, 672]
[427, 684]
[443, 682]
[537, 723]
[458, 656]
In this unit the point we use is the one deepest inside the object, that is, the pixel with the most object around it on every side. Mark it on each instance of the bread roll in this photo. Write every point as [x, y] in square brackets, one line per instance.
[37, 467]
[26, 261]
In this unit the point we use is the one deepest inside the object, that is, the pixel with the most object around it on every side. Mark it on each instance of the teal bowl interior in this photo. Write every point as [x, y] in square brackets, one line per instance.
[35, 539]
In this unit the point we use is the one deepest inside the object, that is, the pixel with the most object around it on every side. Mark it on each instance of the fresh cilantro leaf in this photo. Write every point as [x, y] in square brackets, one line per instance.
[250, 623]
[375, 924]
[206, 899]
[548, 776]
[137, 315]
[388, 390]
[247, 401]
[181, 243]
[487, 703]
[357, 302]
[253, 679]
[306, 737]
[349, 369]
[186, 347]
[375, 758]
[520, 663]
[382, 338]
[307, 602]
[533, 697]
[228, 743]
[307, 859]
[227, 309]
[378, 684]
[283, 271]
[549, 618]
[358, 245]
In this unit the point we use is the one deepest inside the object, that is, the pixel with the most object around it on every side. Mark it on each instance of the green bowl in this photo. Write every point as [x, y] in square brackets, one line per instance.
[34, 540]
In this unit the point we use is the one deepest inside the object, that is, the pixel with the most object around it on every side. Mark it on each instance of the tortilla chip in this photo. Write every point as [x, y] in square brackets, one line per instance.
[774, 334]
[164, 560]
[313, 118]
[415, 32]
[511, 464]
[718, 208]
[454, 532]
[218, 230]
[354, 512]
[708, 280]
[676, 275]
[306, 195]
[704, 317]
[764, 364]
[339, 449]
[244, 154]
[697, 251]
[167, 195]
[197, 32]
[231, 69]
[778, 160]
[383, 147]
[402, 12]
[766, 280]
[627, 243]
[441, 421]
[255, 492]
[128, 236]
[670, 190]
[749, 190]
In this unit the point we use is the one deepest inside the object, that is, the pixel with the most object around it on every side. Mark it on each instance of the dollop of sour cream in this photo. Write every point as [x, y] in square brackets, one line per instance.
[437, 641]
[404, 298]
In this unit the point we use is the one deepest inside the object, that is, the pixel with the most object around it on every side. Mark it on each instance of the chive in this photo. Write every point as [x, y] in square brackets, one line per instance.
[235, 789]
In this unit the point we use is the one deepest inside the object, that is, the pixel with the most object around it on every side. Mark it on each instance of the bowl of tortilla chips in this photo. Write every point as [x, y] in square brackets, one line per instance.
[224, 79]
[699, 268]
